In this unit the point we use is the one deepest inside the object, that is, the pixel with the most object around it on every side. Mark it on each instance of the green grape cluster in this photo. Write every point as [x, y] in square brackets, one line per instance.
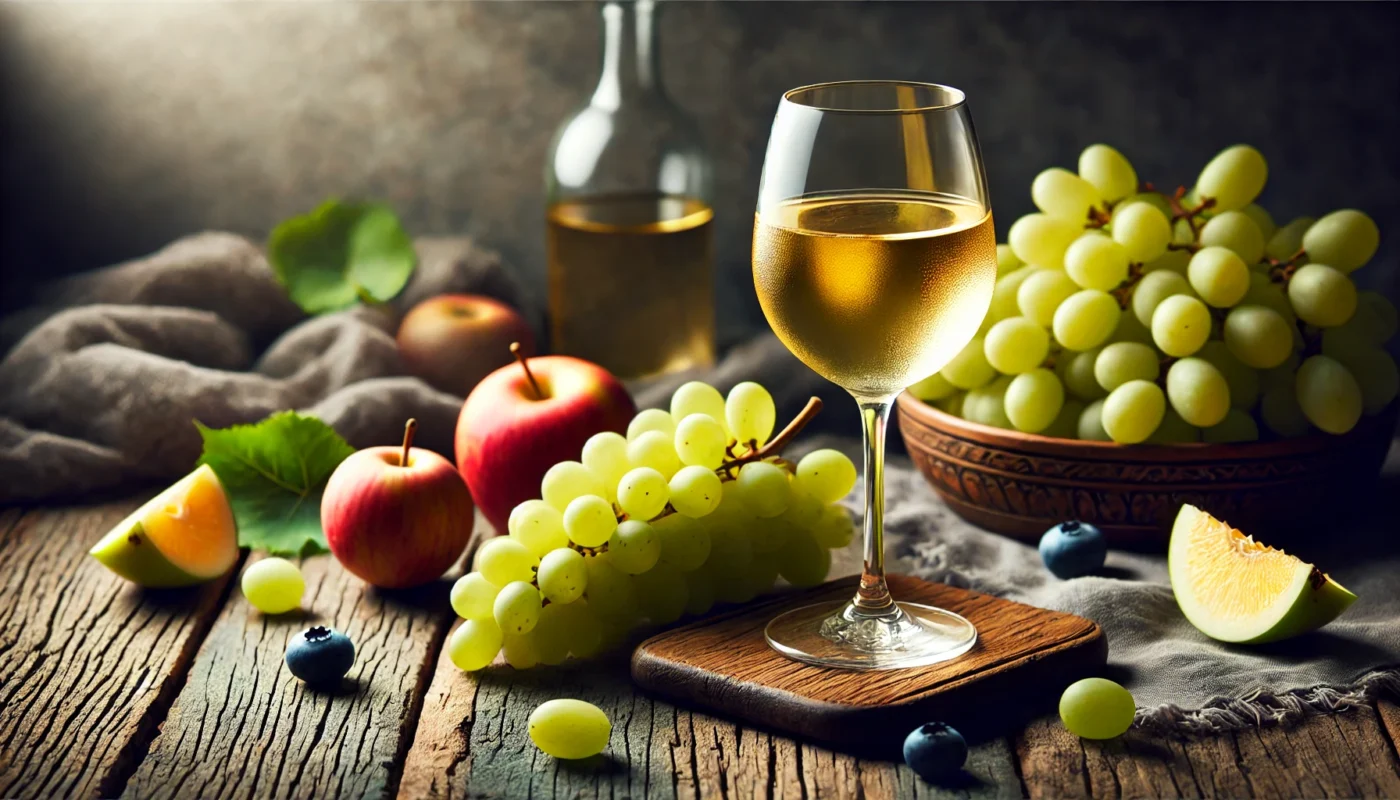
[691, 508]
[1124, 314]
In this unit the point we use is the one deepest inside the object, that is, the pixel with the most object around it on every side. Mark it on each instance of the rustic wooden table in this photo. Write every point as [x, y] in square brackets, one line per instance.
[109, 690]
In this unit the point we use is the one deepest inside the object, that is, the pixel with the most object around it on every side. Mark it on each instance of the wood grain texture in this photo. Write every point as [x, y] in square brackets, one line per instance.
[724, 663]
[243, 726]
[89, 663]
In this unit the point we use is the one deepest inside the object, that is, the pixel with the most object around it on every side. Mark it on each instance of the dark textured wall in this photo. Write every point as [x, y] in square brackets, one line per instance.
[125, 125]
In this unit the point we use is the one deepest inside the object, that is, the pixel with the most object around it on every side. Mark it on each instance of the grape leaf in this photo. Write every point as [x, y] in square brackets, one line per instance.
[274, 473]
[341, 254]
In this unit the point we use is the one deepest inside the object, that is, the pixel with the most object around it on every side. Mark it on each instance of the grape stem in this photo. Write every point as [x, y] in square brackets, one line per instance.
[408, 429]
[1191, 215]
[530, 376]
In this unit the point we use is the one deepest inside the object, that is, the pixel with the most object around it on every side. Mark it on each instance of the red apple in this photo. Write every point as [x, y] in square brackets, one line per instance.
[525, 418]
[454, 340]
[397, 517]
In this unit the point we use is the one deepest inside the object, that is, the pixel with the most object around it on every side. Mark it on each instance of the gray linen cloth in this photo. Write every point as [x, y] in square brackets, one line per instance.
[99, 392]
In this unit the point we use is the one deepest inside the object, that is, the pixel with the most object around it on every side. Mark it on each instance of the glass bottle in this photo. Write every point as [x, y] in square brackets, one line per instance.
[629, 221]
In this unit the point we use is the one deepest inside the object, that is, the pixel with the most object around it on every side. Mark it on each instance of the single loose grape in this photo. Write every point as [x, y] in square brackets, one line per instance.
[1007, 260]
[1086, 319]
[1033, 400]
[970, 369]
[827, 475]
[1328, 394]
[642, 493]
[1133, 411]
[634, 547]
[1198, 392]
[474, 644]
[538, 525]
[517, 608]
[764, 488]
[1016, 345]
[474, 597]
[698, 397]
[1076, 371]
[1180, 325]
[1143, 230]
[1095, 261]
[1090, 425]
[1109, 172]
[605, 455]
[1235, 231]
[1233, 178]
[1218, 275]
[563, 576]
[695, 491]
[273, 585]
[933, 388]
[1121, 362]
[1343, 240]
[569, 728]
[684, 543]
[1097, 708]
[750, 412]
[656, 450]
[567, 480]
[1041, 239]
[1153, 289]
[1060, 193]
[589, 521]
[1322, 296]
[503, 559]
[651, 419]
[1039, 296]
[1236, 427]
[700, 441]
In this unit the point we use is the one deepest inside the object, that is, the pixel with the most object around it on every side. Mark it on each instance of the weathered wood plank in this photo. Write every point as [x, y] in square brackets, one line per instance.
[243, 726]
[89, 663]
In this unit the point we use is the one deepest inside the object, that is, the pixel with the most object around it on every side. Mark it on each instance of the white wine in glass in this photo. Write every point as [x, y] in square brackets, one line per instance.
[874, 259]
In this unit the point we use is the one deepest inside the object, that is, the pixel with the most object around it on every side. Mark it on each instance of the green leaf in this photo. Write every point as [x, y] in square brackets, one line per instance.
[341, 254]
[274, 472]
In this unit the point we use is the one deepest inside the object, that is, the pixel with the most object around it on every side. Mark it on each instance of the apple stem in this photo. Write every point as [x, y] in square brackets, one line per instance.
[515, 351]
[408, 429]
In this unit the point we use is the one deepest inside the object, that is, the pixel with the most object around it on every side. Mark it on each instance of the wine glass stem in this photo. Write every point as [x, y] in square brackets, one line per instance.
[873, 597]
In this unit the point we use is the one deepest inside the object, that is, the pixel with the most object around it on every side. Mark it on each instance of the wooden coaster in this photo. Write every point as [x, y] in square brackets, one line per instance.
[1024, 658]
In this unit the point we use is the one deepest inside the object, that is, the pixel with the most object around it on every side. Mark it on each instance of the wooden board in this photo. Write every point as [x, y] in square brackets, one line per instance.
[1023, 658]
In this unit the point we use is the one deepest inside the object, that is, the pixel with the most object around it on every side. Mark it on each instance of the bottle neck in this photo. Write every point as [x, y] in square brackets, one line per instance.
[631, 70]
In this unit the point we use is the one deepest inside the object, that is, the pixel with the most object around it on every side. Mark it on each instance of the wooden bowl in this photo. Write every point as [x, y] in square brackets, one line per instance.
[1020, 484]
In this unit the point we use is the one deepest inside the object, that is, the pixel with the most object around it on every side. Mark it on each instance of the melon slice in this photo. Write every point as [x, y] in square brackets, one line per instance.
[183, 536]
[1235, 589]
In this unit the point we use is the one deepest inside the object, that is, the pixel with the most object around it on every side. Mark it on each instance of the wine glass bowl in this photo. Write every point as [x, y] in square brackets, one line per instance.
[874, 260]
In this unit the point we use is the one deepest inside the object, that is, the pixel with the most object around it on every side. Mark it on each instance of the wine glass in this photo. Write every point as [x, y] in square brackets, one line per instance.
[874, 259]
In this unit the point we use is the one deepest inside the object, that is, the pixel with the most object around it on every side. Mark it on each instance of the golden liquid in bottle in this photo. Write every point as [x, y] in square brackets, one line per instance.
[875, 291]
[630, 283]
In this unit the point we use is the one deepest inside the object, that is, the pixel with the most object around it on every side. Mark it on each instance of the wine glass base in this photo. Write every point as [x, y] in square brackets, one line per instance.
[837, 634]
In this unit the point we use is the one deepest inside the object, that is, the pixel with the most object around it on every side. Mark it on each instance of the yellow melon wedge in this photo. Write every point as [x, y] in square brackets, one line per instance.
[1235, 589]
[183, 536]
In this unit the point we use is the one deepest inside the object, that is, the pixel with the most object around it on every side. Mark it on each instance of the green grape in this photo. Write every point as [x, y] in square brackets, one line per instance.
[827, 475]
[589, 521]
[1236, 427]
[1076, 371]
[1066, 423]
[503, 560]
[762, 572]
[764, 488]
[985, 406]
[574, 625]
[1086, 319]
[698, 397]
[684, 543]
[1262, 219]
[1097, 708]
[1060, 193]
[1015, 345]
[803, 562]
[662, 593]
[765, 535]
[834, 528]
[1039, 296]
[1121, 362]
[1266, 293]
[952, 405]
[1288, 240]
[1090, 424]
[969, 369]
[1198, 392]
[1282, 375]
[1007, 260]
[474, 644]
[1155, 199]
[1130, 330]
[1379, 318]
[566, 481]
[1180, 325]
[1033, 400]
[633, 548]
[1343, 240]
[1110, 173]
[1133, 411]
[695, 491]
[642, 493]
[517, 608]
[1041, 239]
[1233, 178]
[1322, 296]
[656, 450]
[1244, 381]
[1234, 231]
[563, 575]
[1153, 289]
[273, 585]
[1218, 276]
[731, 558]
[700, 592]
[605, 455]
[1259, 337]
[1372, 367]
[1328, 394]
[519, 651]
[1095, 261]
[1280, 412]
[1174, 430]
[609, 590]
[651, 419]
[933, 388]
[1143, 230]
[569, 729]
[474, 597]
[700, 441]
[805, 509]
[552, 635]
[750, 412]
[1004, 294]
[538, 525]
[1172, 260]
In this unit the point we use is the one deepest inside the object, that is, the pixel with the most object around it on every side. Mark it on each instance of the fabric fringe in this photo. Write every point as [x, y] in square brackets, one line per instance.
[1264, 707]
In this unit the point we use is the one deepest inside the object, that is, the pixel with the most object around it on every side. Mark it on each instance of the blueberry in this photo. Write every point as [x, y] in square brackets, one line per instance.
[1072, 549]
[935, 751]
[321, 655]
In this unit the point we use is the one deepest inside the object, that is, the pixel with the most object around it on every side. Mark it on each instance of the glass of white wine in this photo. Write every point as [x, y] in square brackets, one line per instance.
[874, 259]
